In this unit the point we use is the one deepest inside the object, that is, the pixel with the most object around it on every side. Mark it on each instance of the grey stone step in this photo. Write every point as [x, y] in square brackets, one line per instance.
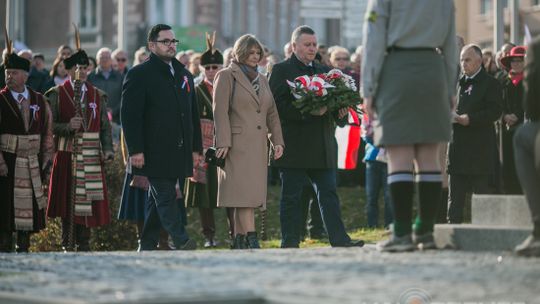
[471, 237]
[500, 210]
[238, 297]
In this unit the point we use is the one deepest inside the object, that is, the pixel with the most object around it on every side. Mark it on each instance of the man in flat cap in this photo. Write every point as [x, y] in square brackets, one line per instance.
[83, 140]
[26, 145]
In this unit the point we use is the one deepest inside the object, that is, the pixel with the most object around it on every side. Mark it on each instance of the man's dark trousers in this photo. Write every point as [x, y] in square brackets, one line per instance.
[309, 207]
[162, 210]
[292, 184]
[462, 185]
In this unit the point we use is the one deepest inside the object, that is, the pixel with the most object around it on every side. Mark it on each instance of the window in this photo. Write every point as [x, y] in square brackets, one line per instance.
[253, 16]
[87, 15]
[536, 2]
[226, 18]
[485, 7]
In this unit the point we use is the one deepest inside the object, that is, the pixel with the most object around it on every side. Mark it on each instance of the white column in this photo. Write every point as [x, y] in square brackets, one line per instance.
[498, 25]
[169, 12]
[121, 32]
[514, 21]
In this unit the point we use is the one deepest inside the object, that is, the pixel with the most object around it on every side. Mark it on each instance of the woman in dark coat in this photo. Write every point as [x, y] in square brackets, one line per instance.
[512, 116]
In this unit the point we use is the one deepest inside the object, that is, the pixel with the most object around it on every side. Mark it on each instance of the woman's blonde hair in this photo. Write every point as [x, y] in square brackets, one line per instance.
[338, 50]
[243, 46]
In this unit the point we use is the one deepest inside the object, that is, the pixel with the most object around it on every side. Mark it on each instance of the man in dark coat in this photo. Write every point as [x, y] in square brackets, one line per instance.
[160, 119]
[311, 148]
[470, 154]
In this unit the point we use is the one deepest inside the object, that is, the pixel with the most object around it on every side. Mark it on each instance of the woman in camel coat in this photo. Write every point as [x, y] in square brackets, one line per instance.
[244, 115]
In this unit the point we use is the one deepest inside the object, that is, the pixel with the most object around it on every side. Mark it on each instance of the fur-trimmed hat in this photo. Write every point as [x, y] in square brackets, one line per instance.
[79, 57]
[12, 60]
[211, 55]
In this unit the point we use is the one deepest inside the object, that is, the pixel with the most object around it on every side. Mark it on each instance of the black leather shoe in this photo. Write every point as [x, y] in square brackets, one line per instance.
[356, 243]
[352, 243]
[23, 241]
[6, 242]
[239, 242]
[252, 241]
[188, 245]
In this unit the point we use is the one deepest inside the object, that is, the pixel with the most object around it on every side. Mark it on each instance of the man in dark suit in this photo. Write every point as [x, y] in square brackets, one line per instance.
[470, 154]
[311, 149]
[160, 119]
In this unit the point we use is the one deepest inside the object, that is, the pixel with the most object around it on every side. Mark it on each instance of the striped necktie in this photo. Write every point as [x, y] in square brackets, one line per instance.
[24, 108]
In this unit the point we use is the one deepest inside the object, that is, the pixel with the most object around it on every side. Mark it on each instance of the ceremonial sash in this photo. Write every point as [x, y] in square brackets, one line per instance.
[27, 177]
[86, 170]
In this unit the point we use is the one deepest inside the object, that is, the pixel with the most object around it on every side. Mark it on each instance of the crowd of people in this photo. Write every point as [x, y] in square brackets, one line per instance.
[213, 129]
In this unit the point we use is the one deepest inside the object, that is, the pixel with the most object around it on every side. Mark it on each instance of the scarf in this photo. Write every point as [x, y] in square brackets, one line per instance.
[516, 78]
[251, 73]
[26, 178]
[87, 172]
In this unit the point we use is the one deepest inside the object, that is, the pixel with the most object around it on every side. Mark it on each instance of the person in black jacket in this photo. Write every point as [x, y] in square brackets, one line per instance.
[512, 116]
[311, 147]
[470, 155]
[160, 119]
[527, 149]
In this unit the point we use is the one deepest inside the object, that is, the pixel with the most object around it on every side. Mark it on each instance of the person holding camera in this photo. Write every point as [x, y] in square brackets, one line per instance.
[244, 114]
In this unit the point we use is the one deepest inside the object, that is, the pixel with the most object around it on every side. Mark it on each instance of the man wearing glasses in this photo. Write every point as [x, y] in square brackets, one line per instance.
[160, 119]
[120, 57]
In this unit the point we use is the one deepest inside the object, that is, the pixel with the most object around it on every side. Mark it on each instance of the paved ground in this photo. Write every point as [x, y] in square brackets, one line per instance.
[323, 275]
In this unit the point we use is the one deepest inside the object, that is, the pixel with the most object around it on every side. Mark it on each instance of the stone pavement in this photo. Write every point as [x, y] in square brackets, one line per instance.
[314, 275]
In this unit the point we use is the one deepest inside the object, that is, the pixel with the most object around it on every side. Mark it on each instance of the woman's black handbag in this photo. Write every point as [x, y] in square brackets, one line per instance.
[211, 158]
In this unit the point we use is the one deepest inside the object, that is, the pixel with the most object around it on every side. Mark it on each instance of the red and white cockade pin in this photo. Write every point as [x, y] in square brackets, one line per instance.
[469, 90]
[186, 83]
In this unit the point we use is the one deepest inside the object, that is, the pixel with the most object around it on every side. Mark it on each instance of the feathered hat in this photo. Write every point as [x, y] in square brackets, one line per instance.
[211, 55]
[79, 57]
[12, 60]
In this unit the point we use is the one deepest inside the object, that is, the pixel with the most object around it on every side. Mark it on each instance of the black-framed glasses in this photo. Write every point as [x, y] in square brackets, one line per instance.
[168, 42]
[211, 67]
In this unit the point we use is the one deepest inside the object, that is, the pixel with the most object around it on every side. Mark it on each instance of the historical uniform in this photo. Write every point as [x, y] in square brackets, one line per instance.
[26, 147]
[201, 189]
[82, 203]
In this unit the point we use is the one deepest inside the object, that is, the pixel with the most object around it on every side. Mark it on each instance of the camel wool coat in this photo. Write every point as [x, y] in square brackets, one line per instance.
[243, 122]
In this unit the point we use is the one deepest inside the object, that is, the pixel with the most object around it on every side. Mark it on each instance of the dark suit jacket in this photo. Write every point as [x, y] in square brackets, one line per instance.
[309, 140]
[160, 118]
[471, 149]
